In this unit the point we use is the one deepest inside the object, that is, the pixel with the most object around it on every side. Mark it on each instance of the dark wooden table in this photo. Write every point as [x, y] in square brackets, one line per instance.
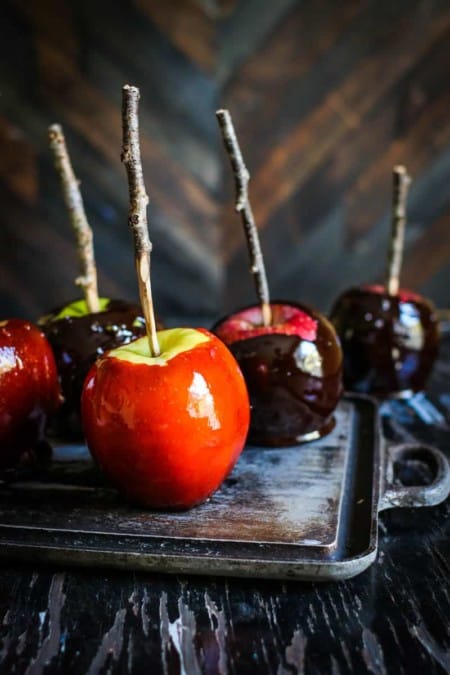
[394, 618]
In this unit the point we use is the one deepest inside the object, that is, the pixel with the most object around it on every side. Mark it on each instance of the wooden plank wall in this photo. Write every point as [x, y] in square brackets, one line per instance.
[326, 97]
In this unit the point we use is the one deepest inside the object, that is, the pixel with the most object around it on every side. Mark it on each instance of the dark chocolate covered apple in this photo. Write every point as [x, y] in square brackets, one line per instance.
[292, 369]
[83, 330]
[78, 337]
[389, 335]
[390, 342]
[289, 353]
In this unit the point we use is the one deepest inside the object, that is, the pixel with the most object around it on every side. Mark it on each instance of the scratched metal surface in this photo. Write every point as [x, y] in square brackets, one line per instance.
[309, 511]
[289, 495]
[390, 620]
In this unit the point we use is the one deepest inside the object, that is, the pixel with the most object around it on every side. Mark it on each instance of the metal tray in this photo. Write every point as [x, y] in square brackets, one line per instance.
[306, 512]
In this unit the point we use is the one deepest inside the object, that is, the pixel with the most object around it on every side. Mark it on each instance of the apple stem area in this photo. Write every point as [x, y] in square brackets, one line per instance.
[241, 179]
[74, 203]
[137, 214]
[401, 183]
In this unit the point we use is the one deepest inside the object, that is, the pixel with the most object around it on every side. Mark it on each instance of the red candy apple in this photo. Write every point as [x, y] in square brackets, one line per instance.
[29, 389]
[166, 430]
[389, 335]
[167, 415]
[292, 369]
[289, 353]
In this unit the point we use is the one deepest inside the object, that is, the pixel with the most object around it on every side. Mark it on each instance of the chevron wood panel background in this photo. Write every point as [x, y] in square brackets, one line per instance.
[326, 96]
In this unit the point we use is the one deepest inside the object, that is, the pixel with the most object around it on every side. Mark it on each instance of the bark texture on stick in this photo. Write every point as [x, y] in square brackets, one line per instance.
[241, 179]
[137, 214]
[401, 183]
[74, 203]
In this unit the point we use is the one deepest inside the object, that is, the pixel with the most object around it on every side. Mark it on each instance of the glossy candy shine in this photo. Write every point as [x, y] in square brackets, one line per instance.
[29, 388]
[390, 342]
[293, 373]
[167, 435]
[77, 341]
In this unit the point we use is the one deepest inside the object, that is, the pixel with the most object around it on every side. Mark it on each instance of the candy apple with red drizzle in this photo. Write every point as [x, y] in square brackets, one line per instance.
[389, 335]
[288, 352]
[166, 416]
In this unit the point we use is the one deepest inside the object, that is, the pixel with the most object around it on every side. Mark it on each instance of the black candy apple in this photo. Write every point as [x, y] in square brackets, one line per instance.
[390, 342]
[82, 330]
[389, 335]
[293, 371]
[78, 337]
[289, 353]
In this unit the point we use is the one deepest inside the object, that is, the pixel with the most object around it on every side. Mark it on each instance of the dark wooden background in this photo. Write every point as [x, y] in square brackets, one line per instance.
[326, 97]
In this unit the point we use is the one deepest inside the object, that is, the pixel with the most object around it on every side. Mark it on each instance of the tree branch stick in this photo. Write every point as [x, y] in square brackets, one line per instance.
[137, 214]
[241, 179]
[74, 203]
[401, 182]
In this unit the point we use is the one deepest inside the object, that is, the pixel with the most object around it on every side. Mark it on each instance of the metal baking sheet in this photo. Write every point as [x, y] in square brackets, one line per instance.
[309, 511]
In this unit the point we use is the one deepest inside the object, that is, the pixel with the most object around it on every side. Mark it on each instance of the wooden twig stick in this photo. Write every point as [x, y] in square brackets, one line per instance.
[401, 182]
[74, 203]
[241, 179]
[137, 214]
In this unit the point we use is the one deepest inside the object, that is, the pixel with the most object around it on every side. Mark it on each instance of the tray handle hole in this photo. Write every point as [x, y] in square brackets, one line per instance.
[415, 467]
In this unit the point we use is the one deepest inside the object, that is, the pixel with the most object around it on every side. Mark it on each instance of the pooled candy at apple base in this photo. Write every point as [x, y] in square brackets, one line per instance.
[167, 429]
[293, 371]
[29, 389]
[390, 342]
[78, 337]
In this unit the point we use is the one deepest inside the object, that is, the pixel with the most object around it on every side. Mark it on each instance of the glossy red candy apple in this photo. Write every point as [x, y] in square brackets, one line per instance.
[29, 389]
[167, 415]
[167, 429]
[293, 371]
[78, 337]
[390, 342]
